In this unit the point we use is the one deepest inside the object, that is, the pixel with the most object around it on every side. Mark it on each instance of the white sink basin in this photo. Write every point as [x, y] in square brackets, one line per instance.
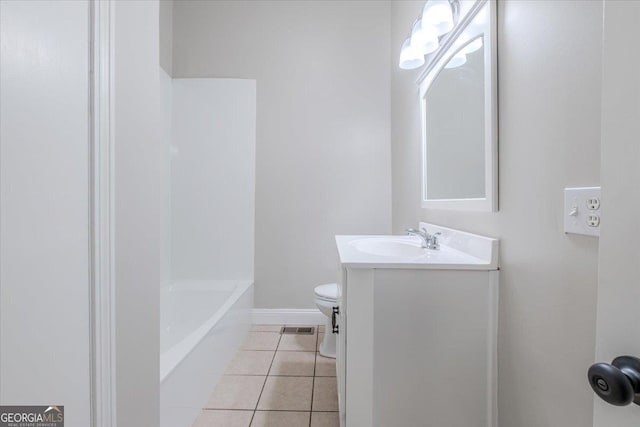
[458, 250]
[390, 247]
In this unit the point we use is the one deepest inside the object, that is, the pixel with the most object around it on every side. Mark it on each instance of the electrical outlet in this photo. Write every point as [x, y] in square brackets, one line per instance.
[582, 213]
[593, 220]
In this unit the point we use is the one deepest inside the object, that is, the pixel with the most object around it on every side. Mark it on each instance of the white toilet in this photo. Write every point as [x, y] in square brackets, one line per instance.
[326, 297]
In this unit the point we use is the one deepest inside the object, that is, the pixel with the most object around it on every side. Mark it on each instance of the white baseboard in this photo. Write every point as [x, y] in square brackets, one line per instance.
[288, 316]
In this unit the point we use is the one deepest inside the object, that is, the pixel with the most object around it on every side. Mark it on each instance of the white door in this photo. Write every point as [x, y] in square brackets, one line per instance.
[618, 320]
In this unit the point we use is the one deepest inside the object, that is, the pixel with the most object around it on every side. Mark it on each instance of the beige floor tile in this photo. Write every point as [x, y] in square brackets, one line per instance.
[280, 419]
[266, 328]
[295, 363]
[261, 341]
[214, 418]
[287, 394]
[320, 338]
[325, 419]
[325, 366]
[250, 362]
[298, 342]
[236, 392]
[325, 394]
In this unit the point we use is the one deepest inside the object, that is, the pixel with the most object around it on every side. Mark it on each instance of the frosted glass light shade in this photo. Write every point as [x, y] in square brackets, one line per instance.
[438, 15]
[410, 58]
[424, 40]
[458, 59]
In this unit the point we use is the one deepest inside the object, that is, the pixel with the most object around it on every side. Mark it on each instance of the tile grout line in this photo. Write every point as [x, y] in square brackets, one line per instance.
[268, 374]
[313, 381]
[262, 410]
[265, 381]
[260, 375]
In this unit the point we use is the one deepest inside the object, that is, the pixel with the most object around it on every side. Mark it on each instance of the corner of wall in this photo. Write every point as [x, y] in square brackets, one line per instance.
[166, 36]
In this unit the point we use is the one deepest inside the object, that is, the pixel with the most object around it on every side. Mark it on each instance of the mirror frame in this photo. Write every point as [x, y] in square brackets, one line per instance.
[438, 60]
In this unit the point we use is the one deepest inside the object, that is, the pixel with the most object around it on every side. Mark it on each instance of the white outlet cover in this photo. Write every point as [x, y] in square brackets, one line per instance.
[577, 211]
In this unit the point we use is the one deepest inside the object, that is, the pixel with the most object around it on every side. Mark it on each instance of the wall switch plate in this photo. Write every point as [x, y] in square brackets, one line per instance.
[582, 211]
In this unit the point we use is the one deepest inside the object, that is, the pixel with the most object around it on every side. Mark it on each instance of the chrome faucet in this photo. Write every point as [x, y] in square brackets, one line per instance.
[429, 241]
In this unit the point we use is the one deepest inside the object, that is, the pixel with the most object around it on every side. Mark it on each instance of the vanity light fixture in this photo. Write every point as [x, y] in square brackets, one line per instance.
[410, 58]
[439, 15]
[436, 20]
[424, 39]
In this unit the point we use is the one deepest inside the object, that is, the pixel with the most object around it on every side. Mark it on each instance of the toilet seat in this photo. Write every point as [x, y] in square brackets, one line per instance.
[325, 299]
[327, 292]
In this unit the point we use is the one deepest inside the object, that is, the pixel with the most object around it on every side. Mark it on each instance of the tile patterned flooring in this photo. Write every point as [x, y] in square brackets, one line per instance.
[275, 381]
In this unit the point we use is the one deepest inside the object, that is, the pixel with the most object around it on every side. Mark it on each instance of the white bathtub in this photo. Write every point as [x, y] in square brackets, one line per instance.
[202, 325]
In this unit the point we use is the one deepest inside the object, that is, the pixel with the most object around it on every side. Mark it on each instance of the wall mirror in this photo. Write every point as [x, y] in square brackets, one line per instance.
[459, 116]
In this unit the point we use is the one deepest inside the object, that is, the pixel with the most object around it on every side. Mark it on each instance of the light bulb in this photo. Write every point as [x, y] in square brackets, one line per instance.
[458, 59]
[424, 40]
[410, 58]
[438, 15]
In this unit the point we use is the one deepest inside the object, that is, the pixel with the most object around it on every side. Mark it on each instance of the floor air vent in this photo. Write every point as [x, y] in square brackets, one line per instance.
[307, 330]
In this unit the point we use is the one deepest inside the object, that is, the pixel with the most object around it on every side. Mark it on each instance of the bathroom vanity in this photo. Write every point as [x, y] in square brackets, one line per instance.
[417, 330]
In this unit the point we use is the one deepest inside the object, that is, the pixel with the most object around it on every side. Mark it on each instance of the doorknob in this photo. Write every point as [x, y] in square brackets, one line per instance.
[617, 383]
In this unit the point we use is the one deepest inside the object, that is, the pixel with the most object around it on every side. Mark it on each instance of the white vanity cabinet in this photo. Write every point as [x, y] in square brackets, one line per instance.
[417, 335]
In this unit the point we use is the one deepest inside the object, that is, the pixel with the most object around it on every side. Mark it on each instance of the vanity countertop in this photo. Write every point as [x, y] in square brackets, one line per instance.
[458, 250]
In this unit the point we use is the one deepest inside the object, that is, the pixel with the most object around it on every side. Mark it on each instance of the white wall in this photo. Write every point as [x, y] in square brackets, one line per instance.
[213, 179]
[322, 147]
[140, 171]
[406, 149]
[44, 206]
[166, 35]
[549, 62]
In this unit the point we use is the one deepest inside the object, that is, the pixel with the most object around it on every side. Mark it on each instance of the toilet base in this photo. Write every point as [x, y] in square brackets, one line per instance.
[328, 344]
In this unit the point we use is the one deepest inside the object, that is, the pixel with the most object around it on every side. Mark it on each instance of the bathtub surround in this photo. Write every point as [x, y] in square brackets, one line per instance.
[205, 309]
[549, 62]
[322, 155]
[213, 179]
